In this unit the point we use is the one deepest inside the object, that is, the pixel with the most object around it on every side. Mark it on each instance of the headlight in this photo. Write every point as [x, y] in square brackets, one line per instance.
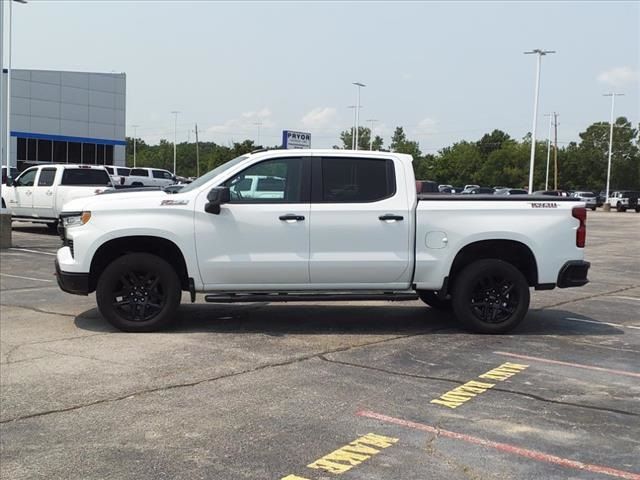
[76, 219]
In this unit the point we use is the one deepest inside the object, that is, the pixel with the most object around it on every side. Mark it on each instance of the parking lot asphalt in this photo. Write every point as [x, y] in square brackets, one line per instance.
[354, 390]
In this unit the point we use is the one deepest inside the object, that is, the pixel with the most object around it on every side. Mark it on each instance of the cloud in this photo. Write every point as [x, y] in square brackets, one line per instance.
[427, 126]
[244, 124]
[320, 117]
[619, 76]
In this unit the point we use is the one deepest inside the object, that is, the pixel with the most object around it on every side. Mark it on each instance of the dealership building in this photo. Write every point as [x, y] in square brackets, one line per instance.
[65, 117]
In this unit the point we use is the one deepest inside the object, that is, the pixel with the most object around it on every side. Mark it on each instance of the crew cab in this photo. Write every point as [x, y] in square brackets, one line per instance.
[624, 200]
[149, 177]
[339, 225]
[38, 193]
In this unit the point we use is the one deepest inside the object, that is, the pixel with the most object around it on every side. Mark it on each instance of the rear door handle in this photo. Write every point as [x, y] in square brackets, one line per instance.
[390, 216]
[291, 217]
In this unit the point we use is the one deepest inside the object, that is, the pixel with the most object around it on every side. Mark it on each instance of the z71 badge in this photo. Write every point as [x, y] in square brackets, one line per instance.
[544, 205]
[171, 203]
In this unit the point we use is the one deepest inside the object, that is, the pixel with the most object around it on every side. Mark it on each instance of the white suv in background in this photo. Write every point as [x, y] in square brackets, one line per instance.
[150, 177]
[118, 174]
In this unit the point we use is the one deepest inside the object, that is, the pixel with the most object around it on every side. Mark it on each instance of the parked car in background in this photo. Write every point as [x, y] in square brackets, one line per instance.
[426, 186]
[553, 193]
[589, 198]
[623, 200]
[442, 187]
[510, 191]
[149, 177]
[601, 198]
[469, 187]
[478, 190]
[38, 194]
[118, 174]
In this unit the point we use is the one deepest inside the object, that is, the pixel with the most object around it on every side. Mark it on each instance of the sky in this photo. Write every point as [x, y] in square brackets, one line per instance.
[445, 71]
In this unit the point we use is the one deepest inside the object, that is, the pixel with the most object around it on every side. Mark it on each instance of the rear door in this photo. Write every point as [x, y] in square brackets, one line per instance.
[44, 193]
[22, 202]
[360, 224]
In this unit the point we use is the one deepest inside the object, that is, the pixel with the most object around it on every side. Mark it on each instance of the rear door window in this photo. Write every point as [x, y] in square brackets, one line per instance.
[47, 175]
[139, 172]
[85, 177]
[356, 180]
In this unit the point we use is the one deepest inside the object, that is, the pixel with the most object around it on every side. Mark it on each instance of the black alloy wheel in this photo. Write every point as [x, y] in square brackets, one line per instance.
[138, 292]
[491, 296]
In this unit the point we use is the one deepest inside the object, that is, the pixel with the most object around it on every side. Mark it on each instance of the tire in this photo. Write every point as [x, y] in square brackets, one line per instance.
[157, 298]
[637, 209]
[593, 209]
[623, 209]
[619, 207]
[432, 299]
[482, 282]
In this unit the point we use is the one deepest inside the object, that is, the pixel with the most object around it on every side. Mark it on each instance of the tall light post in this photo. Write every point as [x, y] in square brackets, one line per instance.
[546, 178]
[540, 54]
[613, 101]
[258, 124]
[371, 121]
[135, 137]
[358, 85]
[353, 131]
[8, 117]
[175, 137]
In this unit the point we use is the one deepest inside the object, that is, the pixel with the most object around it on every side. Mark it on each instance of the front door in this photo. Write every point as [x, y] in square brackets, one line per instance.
[361, 224]
[260, 239]
[22, 204]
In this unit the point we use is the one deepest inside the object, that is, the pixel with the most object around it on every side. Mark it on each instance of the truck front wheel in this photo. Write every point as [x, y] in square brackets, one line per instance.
[138, 292]
[432, 299]
[490, 296]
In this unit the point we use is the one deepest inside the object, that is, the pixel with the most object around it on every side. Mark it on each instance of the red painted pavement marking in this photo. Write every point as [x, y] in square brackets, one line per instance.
[503, 447]
[577, 365]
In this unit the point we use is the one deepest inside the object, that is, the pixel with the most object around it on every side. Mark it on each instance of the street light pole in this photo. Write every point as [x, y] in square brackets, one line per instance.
[2, 135]
[353, 129]
[540, 54]
[613, 101]
[358, 85]
[372, 121]
[175, 137]
[546, 181]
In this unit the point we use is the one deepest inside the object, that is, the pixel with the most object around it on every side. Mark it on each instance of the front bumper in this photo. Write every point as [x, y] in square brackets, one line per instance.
[573, 274]
[75, 283]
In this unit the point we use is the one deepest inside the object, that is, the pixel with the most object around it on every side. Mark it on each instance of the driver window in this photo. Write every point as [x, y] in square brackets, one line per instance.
[27, 179]
[272, 181]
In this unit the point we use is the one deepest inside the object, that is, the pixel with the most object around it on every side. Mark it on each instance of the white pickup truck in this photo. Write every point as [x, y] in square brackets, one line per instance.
[38, 194]
[343, 225]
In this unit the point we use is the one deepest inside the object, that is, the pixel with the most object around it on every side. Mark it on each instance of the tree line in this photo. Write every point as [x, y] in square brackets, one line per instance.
[495, 159]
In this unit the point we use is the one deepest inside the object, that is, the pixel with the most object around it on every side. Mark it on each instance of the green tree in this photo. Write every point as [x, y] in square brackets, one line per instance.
[491, 142]
[364, 139]
[400, 144]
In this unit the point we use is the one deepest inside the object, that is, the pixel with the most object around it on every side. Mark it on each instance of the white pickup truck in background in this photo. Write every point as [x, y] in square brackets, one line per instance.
[38, 194]
[336, 225]
[149, 177]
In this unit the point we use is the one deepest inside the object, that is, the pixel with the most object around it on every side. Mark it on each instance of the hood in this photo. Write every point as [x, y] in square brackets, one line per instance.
[119, 200]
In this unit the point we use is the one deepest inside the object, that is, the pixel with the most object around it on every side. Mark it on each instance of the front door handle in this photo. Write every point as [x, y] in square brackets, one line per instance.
[291, 217]
[49, 192]
[390, 216]
[28, 192]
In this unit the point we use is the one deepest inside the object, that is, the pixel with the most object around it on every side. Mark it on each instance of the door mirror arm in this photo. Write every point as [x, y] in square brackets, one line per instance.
[216, 197]
[10, 182]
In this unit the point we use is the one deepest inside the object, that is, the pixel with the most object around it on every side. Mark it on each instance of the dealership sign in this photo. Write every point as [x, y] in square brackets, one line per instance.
[291, 139]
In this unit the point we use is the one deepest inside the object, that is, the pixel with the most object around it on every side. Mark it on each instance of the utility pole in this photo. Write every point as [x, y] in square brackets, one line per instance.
[613, 101]
[372, 121]
[555, 151]
[135, 136]
[197, 154]
[358, 85]
[540, 54]
[175, 136]
[546, 181]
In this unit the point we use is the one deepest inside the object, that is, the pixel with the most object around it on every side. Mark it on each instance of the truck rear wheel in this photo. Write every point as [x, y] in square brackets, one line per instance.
[490, 296]
[432, 299]
[138, 292]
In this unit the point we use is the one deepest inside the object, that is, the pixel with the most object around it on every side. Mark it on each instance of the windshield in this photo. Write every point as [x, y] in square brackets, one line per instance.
[213, 173]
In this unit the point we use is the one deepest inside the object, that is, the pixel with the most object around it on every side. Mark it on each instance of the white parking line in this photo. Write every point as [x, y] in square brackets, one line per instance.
[32, 251]
[625, 298]
[25, 278]
[602, 323]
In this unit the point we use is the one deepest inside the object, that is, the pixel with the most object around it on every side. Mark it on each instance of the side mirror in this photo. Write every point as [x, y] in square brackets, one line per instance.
[10, 182]
[217, 196]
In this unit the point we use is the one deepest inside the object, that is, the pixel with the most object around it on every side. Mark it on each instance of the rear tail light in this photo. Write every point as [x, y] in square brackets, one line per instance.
[581, 234]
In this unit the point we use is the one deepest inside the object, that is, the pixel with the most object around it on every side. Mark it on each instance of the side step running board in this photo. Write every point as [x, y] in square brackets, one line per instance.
[308, 297]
